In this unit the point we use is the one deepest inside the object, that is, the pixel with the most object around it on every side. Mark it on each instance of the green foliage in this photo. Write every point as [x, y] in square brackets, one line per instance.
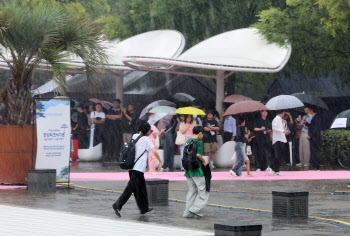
[334, 142]
[318, 31]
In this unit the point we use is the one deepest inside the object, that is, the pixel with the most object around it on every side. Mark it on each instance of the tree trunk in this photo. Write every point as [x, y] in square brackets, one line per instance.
[18, 99]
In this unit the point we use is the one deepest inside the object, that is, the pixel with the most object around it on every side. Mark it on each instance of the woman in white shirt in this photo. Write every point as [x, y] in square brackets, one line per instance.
[137, 183]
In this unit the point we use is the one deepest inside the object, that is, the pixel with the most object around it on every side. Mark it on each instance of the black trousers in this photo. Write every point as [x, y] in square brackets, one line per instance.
[136, 185]
[280, 153]
[169, 149]
[99, 134]
[83, 139]
[114, 141]
[315, 154]
[262, 155]
[227, 136]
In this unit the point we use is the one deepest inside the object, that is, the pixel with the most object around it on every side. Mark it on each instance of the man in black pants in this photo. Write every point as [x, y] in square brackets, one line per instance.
[137, 183]
[262, 128]
[81, 128]
[315, 139]
[279, 140]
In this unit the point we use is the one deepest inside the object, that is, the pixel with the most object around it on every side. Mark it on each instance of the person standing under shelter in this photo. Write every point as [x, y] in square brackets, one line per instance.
[81, 128]
[114, 131]
[169, 145]
[314, 136]
[279, 141]
[129, 122]
[262, 129]
[210, 127]
[304, 144]
[137, 183]
[230, 129]
[198, 194]
[98, 119]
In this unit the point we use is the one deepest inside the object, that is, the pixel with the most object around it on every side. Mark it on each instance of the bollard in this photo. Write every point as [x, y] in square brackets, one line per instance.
[41, 180]
[157, 192]
[237, 229]
[290, 204]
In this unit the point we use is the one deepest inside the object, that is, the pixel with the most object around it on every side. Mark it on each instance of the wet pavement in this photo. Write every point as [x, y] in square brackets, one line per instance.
[235, 197]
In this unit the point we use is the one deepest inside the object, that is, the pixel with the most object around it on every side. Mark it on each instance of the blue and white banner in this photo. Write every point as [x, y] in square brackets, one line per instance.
[53, 132]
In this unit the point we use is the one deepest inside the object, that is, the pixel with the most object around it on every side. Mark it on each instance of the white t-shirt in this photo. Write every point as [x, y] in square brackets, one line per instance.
[96, 114]
[143, 144]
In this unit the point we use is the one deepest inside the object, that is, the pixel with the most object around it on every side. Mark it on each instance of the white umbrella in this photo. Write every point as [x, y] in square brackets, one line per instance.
[156, 117]
[184, 97]
[155, 104]
[283, 102]
[163, 109]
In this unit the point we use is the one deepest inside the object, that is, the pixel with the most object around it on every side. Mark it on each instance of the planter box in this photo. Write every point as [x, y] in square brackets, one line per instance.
[237, 229]
[157, 192]
[16, 153]
[42, 180]
[290, 204]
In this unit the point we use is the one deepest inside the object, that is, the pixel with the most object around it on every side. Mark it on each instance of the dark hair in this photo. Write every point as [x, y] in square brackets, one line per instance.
[144, 128]
[198, 129]
[210, 112]
[72, 104]
[81, 106]
[118, 100]
[98, 104]
[132, 104]
[186, 116]
[240, 120]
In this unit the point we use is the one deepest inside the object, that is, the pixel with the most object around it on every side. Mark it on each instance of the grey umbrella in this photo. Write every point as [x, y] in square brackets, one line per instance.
[309, 99]
[184, 97]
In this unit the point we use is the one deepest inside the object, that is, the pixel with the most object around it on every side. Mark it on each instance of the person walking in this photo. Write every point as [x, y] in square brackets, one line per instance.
[241, 138]
[230, 129]
[304, 144]
[279, 141]
[129, 122]
[114, 131]
[262, 129]
[198, 194]
[98, 119]
[137, 183]
[210, 127]
[186, 129]
[314, 136]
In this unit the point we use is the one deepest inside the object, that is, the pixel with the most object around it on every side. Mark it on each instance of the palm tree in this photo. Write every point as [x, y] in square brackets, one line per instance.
[45, 36]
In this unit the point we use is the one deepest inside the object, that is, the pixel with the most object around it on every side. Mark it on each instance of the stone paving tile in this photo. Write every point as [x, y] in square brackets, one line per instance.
[26, 221]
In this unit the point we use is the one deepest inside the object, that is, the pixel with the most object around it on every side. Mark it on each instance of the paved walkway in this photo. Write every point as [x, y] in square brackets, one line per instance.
[26, 221]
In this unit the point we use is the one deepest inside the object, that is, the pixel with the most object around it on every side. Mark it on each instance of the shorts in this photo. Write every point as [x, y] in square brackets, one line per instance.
[210, 147]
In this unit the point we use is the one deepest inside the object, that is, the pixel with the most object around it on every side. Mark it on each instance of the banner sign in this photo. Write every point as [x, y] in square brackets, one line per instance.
[53, 132]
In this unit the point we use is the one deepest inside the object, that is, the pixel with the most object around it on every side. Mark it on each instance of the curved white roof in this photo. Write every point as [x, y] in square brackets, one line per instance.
[242, 50]
[158, 43]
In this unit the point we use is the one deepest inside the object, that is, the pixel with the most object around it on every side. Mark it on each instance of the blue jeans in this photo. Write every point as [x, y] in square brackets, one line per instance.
[169, 146]
[240, 158]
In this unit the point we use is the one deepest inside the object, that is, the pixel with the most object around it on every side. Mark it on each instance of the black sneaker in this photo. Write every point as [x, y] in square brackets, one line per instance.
[116, 210]
[149, 209]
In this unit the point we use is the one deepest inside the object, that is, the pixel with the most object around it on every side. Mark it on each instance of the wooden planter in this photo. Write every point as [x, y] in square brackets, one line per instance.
[16, 148]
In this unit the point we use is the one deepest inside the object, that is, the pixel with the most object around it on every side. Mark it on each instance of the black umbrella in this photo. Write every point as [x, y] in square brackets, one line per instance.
[309, 99]
[342, 121]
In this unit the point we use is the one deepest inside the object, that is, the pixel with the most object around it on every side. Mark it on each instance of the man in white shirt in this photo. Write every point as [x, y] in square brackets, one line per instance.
[137, 183]
[98, 118]
[279, 141]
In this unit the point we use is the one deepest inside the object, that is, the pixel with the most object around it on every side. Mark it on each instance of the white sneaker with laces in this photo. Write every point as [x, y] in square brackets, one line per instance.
[212, 166]
[269, 170]
[258, 170]
[306, 165]
[278, 173]
[232, 173]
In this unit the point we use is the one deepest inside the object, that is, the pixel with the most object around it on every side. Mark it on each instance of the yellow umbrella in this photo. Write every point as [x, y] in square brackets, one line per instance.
[190, 111]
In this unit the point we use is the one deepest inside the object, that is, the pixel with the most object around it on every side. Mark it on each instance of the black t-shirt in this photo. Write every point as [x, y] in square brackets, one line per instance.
[118, 122]
[262, 136]
[129, 126]
[210, 136]
[82, 122]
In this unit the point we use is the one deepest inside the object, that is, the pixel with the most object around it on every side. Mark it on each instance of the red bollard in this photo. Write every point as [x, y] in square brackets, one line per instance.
[75, 149]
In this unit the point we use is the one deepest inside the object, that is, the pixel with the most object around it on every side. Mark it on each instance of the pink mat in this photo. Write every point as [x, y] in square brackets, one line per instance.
[12, 187]
[179, 176]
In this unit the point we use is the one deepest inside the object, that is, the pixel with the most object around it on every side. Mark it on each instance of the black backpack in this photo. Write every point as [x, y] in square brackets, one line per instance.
[128, 155]
[190, 160]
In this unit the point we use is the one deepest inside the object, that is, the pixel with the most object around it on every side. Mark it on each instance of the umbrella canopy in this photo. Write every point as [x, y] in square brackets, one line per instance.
[190, 111]
[184, 97]
[95, 100]
[342, 120]
[154, 104]
[109, 103]
[309, 99]
[244, 107]
[236, 98]
[163, 109]
[283, 102]
[156, 117]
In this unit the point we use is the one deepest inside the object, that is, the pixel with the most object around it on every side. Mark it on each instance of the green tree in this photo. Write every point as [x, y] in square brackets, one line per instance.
[48, 34]
[318, 31]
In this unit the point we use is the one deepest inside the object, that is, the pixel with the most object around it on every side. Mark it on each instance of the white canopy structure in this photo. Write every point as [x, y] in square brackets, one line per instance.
[242, 50]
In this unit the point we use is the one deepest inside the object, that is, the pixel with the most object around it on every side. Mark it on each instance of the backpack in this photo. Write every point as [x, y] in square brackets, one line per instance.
[190, 160]
[128, 154]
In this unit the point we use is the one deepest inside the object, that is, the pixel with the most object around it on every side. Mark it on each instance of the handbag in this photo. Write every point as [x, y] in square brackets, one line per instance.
[180, 138]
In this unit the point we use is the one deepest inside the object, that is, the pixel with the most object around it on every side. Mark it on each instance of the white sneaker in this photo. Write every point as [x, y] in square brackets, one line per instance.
[306, 165]
[182, 169]
[349, 185]
[258, 170]
[162, 170]
[232, 173]
[212, 166]
[299, 165]
[278, 173]
[269, 170]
